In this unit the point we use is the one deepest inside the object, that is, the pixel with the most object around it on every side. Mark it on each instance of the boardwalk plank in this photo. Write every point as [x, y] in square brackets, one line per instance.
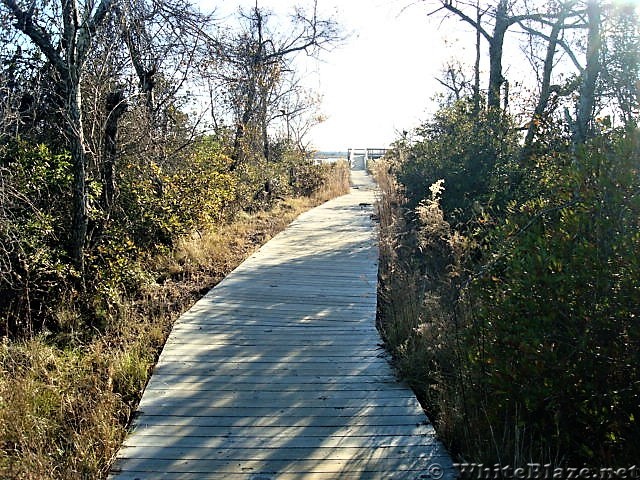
[319, 434]
[292, 396]
[247, 442]
[375, 462]
[246, 388]
[354, 475]
[278, 373]
[291, 452]
[289, 369]
[361, 413]
[214, 401]
[280, 421]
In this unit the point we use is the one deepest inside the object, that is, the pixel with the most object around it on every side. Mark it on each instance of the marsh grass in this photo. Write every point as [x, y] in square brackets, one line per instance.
[66, 399]
[417, 312]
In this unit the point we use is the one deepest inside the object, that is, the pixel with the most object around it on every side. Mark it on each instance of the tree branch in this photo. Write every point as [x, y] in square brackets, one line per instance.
[466, 18]
[24, 23]
[560, 42]
[99, 16]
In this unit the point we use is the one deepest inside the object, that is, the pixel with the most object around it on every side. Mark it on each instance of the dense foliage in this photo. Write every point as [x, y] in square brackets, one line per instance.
[110, 152]
[34, 200]
[510, 276]
[157, 203]
[525, 341]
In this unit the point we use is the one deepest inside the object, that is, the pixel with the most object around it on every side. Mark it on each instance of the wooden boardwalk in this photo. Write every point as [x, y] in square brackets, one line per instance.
[278, 373]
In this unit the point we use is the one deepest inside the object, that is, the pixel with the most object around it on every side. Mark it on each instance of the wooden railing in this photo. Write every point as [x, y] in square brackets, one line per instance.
[364, 155]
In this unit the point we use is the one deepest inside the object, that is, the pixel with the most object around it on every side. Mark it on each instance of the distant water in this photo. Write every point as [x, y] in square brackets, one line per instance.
[329, 159]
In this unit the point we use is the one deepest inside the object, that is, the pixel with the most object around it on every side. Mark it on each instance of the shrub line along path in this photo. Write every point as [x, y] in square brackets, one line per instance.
[278, 372]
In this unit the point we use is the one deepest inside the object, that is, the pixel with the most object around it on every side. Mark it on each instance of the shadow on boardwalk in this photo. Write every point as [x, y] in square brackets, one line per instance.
[278, 372]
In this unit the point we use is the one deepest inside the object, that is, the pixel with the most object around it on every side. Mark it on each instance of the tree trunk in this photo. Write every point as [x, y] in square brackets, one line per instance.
[476, 66]
[495, 56]
[264, 125]
[80, 217]
[116, 107]
[266, 148]
[590, 75]
[241, 126]
[545, 88]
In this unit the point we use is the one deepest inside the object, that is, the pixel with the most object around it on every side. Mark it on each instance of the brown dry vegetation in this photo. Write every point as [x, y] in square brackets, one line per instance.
[65, 403]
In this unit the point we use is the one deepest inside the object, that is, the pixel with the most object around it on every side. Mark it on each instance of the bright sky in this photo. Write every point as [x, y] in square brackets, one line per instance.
[380, 81]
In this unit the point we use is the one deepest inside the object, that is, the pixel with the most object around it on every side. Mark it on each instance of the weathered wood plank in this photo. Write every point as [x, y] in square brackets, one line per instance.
[375, 462]
[291, 369]
[292, 396]
[361, 413]
[280, 421]
[240, 328]
[271, 356]
[214, 401]
[258, 360]
[278, 372]
[290, 452]
[282, 441]
[176, 432]
[252, 332]
[352, 386]
[365, 475]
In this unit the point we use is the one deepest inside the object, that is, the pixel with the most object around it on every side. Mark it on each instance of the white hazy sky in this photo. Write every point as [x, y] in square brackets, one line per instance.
[380, 81]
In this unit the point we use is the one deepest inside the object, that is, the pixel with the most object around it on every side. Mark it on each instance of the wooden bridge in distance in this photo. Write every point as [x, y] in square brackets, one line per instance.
[278, 373]
[359, 157]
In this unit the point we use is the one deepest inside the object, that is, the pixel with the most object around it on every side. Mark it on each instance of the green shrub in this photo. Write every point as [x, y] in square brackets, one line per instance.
[522, 333]
[473, 154]
[559, 309]
[34, 206]
[159, 204]
[156, 206]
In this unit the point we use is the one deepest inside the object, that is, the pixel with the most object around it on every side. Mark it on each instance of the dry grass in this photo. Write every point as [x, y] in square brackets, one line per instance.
[398, 291]
[411, 314]
[65, 405]
[336, 182]
[53, 402]
[421, 319]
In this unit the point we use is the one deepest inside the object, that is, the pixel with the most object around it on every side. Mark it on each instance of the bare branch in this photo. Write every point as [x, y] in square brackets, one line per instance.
[466, 18]
[567, 48]
[37, 34]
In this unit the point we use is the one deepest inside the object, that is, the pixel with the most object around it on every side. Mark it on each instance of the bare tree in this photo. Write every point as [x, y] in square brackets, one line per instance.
[163, 37]
[503, 19]
[546, 87]
[455, 80]
[550, 25]
[257, 69]
[620, 79]
[67, 48]
[300, 112]
[476, 66]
